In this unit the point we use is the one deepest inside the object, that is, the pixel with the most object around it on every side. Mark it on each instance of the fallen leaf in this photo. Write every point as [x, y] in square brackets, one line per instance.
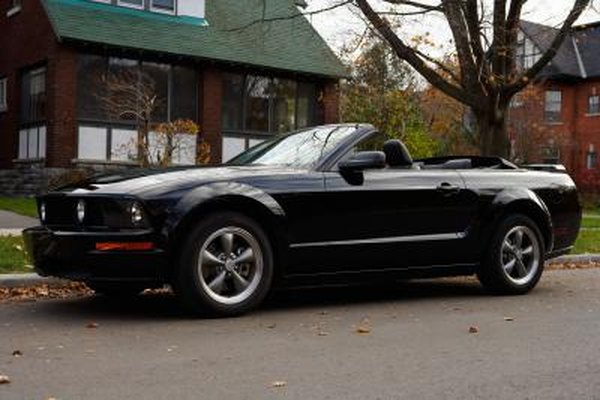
[509, 319]
[278, 384]
[473, 329]
[17, 353]
[4, 379]
[271, 326]
[363, 330]
[92, 325]
[323, 333]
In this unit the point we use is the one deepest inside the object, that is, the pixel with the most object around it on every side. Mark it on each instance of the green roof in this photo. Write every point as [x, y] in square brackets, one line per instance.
[232, 32]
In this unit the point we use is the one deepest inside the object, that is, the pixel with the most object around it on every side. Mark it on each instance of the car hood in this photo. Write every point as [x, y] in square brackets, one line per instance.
[155, 182]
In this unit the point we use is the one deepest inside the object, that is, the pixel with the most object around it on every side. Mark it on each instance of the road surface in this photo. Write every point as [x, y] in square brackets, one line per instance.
[415, 344]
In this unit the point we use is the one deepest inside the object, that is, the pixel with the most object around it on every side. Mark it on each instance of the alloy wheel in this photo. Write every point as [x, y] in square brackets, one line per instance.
[230, 265]
[520, 255]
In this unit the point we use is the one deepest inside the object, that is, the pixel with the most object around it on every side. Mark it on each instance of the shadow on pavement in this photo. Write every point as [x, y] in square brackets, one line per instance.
[165, 306]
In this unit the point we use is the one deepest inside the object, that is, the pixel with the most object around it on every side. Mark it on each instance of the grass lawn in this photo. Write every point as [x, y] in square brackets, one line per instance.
[20, 205]
[590, 221]
[587, 242]
[12, 255]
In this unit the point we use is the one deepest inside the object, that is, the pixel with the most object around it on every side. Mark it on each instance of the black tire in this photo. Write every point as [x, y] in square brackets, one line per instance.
[116, 289]
[194, 277]
[495, 272]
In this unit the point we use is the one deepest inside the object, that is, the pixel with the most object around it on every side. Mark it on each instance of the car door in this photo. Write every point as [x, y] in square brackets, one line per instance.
[397, 218]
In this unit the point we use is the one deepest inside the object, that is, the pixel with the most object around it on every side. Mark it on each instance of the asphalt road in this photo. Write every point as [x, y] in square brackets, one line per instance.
[418, 347]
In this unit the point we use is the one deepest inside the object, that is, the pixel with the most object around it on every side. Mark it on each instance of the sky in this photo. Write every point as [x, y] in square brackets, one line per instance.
[341, 25]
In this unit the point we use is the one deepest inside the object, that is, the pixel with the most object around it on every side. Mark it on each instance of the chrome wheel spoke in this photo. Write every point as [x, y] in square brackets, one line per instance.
[227, 243]
[521, 268]
[210, 259]
[509, 266]
[239, 281]
[216, 285]
[528, 250]
[518, 239]
[245, 257]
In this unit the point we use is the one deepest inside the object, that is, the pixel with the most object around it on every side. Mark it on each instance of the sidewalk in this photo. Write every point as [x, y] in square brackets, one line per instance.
[12, 221]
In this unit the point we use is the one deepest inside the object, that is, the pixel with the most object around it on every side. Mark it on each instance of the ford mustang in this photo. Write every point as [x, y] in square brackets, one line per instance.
[326, 205]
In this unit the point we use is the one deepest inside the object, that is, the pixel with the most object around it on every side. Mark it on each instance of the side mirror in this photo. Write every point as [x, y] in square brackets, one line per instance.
[352, 168]
[363, 160]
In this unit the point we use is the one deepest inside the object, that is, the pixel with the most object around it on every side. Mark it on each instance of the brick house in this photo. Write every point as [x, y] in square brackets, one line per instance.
[557, 119]
[218, 63]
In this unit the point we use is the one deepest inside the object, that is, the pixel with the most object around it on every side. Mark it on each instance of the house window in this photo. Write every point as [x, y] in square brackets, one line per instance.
[107, 107]
[167, 6]
[3, 90]
[516, 101]
[527, 52]
[32, 134]
[551, 154]
[132, 3]
[553, 106]
[594, 105]
[591, 159]
[255, 107]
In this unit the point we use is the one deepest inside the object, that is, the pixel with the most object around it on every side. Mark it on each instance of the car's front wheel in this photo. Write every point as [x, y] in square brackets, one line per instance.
[515, 258]
[226, 266]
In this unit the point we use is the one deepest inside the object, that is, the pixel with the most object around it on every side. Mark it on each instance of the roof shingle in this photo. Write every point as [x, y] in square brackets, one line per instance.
[233, 32]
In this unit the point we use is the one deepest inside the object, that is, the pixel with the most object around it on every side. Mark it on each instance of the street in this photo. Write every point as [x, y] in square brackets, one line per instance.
[409, 341]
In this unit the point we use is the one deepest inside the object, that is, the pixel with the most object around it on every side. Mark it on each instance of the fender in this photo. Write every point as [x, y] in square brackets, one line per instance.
[200, 196]
[525, 201]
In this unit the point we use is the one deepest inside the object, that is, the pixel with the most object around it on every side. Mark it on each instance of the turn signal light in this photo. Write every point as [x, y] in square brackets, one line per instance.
[124, 246]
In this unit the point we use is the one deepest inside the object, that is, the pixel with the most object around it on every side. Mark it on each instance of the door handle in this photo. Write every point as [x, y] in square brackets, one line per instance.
[448, 189]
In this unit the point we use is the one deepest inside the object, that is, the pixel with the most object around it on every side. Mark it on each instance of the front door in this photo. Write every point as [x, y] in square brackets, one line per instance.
[398, 218]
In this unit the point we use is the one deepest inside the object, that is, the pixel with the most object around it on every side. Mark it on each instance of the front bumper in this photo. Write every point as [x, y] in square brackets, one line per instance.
[73, 255]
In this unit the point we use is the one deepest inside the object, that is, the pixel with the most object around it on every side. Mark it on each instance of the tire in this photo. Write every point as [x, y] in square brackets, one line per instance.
[513, 266]
[116, 289]
[221, 284]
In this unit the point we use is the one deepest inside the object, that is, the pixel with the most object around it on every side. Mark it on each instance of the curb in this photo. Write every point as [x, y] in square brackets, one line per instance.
[576, 259]
[11, 232]
[24, 280]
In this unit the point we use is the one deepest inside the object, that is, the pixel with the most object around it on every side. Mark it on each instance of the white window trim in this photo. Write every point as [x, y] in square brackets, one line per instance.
[129, 5]
[162, 10]
[3, 94]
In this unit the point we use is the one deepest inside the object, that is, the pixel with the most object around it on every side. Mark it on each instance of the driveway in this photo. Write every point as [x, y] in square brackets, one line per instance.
[414, 343]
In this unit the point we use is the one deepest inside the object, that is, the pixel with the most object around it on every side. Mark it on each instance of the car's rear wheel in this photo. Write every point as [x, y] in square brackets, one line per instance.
[226, 266]
[515, 259]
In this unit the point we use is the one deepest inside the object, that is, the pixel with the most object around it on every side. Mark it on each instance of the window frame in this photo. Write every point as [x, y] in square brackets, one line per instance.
[3, 94]
[15, 7]
[591, 160]
[548, 113]
[590, 111]
[124, 3]
[163, 10]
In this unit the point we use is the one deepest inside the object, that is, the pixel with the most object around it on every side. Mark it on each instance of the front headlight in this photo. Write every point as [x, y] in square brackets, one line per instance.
[43, 212]
[81, 211]
[137, 214]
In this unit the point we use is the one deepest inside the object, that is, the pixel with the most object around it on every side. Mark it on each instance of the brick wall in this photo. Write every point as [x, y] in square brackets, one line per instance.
[26, 40]
[331, 102]
[62, 108]
[573, 134]
[211, 94]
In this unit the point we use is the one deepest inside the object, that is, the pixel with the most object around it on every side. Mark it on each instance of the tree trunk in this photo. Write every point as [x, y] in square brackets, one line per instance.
[493, 135]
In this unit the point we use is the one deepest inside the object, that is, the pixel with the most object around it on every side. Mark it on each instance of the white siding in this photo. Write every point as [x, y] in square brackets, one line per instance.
[191, 8]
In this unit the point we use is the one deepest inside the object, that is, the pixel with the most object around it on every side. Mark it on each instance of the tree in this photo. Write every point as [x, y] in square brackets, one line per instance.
[382, 92]
[489, 74]
[131, 94]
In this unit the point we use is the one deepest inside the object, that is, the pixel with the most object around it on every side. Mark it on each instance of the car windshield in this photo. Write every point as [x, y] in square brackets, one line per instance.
[301, 149]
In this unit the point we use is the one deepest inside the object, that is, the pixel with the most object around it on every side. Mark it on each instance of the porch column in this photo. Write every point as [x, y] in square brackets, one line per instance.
[331, 103]
[61, 142]
[211, 96]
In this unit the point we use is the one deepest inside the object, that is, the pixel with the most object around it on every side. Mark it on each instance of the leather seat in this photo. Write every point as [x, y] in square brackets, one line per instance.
[396, 154]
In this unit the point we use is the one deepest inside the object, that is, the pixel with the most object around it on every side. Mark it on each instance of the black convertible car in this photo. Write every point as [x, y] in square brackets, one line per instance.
[323, 205]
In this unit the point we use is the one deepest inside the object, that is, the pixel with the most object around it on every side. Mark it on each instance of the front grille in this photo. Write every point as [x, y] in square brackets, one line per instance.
[61, 212]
